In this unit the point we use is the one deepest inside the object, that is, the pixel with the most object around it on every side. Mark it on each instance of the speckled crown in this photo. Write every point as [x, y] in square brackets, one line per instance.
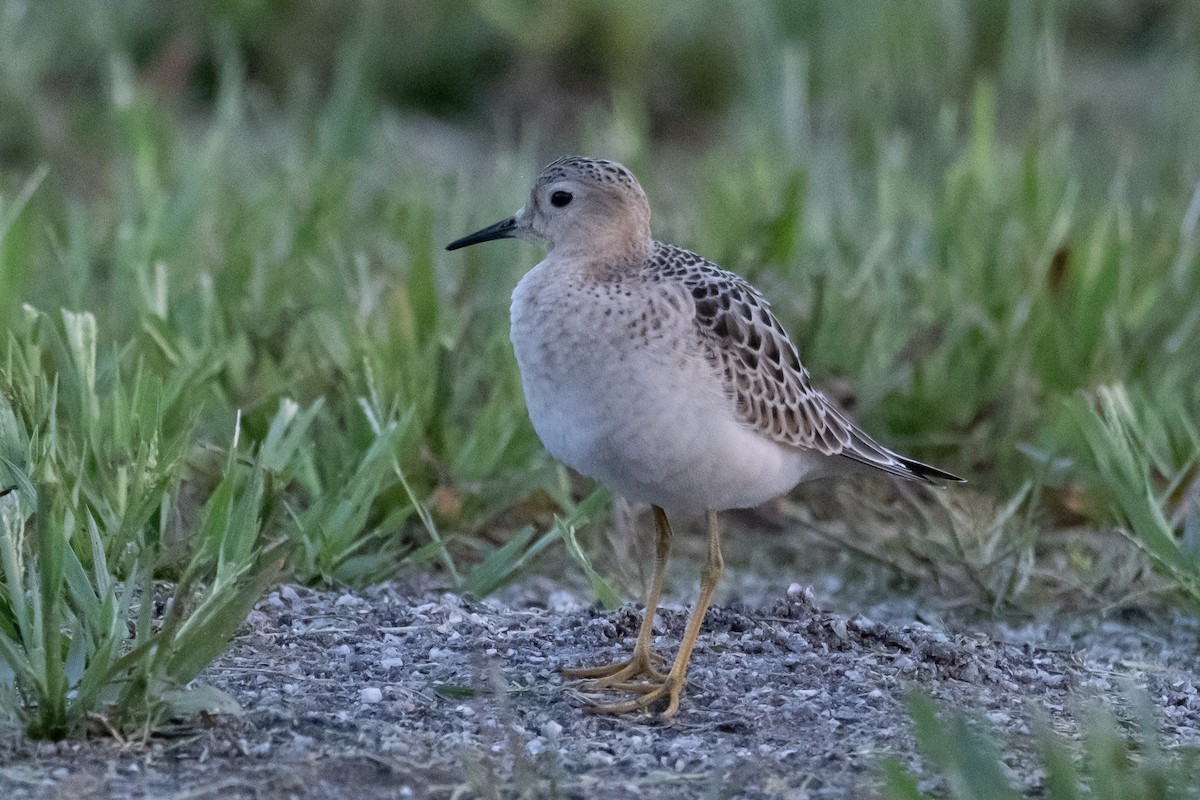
[598, 170]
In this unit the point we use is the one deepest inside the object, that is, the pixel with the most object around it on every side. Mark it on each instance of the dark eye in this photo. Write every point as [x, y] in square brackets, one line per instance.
[560, 199]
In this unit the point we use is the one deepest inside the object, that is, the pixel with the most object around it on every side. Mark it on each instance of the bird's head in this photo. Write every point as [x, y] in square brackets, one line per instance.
[579, 206]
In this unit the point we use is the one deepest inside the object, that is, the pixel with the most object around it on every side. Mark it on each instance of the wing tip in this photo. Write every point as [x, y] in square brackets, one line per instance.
[927, 474]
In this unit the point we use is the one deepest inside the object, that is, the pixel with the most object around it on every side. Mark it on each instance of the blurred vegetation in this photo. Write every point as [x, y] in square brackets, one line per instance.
[982, 216]
[1111, 762]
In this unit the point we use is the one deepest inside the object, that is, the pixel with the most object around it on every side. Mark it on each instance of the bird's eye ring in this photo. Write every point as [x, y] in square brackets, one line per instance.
[560, 199]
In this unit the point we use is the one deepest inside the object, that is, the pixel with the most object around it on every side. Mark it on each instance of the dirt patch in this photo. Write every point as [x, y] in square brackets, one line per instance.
[393, 694]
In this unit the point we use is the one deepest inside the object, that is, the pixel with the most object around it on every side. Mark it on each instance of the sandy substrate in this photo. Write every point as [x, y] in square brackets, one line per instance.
[393, 693]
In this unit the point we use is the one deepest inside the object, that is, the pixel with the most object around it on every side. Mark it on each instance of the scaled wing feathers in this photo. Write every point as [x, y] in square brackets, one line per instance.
[761, 367]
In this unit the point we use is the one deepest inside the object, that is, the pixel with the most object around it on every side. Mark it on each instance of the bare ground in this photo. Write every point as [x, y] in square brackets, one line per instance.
[398, 693]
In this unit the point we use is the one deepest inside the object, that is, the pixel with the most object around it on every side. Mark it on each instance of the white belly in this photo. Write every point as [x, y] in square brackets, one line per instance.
[639, 407]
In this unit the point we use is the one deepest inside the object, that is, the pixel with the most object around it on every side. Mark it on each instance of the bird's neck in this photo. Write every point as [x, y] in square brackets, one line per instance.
[611, 247]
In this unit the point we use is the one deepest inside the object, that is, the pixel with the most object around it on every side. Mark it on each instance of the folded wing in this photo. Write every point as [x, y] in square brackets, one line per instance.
[771, 389]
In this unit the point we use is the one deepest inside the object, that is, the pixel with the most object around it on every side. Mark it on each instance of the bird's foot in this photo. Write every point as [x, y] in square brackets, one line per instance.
[618, 675]
[653, 688]
[652, 694]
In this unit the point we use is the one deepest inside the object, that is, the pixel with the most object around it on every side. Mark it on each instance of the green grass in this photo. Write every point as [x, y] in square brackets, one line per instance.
[975, 214]
[1108, 761]
[1145, 463]
[95, 473]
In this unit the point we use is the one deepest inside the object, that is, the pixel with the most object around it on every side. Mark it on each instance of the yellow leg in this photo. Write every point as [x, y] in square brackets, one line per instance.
[642, 662]
[675, 680]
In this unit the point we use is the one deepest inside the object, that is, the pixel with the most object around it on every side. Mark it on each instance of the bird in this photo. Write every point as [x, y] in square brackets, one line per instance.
[669, 380]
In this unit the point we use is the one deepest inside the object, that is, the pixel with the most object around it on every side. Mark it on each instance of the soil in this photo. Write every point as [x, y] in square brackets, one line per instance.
[403, 692]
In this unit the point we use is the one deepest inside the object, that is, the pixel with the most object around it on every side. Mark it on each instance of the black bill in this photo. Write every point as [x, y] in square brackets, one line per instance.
[501, 230]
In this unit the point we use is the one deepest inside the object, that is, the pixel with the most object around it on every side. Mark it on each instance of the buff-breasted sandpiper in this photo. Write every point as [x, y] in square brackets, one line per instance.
[666, 378]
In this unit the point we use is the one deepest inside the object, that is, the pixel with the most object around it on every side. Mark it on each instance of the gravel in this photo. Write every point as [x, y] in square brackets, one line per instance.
[403, 693]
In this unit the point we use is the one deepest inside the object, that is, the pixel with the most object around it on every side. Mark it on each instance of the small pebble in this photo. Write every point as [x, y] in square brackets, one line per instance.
[371, 694]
